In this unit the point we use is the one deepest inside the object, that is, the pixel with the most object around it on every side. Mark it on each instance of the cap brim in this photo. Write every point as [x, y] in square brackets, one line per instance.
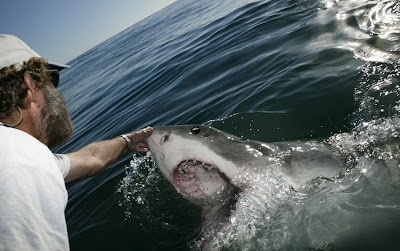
[54, 65]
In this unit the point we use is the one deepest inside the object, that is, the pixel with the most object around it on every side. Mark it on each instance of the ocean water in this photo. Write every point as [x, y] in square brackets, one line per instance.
[326, 70]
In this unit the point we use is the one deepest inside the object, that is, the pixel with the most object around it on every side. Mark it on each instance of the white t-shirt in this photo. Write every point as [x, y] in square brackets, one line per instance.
[33, 196]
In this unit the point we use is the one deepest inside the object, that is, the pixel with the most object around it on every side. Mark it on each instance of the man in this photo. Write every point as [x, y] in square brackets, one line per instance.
[33, 117]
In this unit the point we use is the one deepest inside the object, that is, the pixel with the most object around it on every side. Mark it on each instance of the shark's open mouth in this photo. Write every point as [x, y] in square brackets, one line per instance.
[198, 180]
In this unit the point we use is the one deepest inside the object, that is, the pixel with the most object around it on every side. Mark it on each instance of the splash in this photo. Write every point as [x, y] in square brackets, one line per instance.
[376, 121]
[378, 92]
[264, 200]
[377, 139]
[134, 188]
[150, 202]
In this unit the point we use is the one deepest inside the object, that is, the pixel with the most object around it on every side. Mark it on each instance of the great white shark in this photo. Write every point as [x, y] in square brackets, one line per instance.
[210, 167]
[198, 160]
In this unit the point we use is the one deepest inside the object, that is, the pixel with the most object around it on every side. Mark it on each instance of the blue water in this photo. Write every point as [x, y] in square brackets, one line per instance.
[263, 70]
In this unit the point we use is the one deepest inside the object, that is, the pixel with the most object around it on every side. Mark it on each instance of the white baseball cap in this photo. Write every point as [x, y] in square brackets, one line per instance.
[13, 51]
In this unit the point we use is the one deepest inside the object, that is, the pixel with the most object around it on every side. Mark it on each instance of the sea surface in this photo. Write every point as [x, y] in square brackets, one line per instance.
[287, 70]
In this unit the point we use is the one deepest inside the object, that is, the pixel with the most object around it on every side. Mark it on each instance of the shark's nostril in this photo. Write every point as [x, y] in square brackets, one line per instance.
[164, 138]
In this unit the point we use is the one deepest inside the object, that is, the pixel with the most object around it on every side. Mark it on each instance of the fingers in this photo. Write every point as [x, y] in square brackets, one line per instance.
[148, 131]
[139, 139]
[141, 147]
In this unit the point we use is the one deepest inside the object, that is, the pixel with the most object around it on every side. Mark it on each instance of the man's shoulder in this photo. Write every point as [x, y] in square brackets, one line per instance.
[17, 140]
[18, 148]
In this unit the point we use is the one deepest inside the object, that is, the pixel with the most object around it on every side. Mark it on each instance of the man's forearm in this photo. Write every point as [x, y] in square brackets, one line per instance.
[95, 157]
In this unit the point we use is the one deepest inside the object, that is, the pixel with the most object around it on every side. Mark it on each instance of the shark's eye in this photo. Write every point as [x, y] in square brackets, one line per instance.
[195, 130]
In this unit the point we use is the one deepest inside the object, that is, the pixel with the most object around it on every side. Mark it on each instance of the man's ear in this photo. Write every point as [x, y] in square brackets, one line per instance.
[32, 96]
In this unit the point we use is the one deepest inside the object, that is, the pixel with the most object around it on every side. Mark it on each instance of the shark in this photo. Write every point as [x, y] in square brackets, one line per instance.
[225, 174]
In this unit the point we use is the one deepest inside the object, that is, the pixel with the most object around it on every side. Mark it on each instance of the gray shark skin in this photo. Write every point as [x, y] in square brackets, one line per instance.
[236, 180]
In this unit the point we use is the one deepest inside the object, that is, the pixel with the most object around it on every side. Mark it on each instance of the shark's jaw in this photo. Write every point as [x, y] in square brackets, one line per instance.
[197, 180]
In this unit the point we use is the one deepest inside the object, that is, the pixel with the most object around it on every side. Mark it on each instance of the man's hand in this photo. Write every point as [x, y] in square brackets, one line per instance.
[95, 157]
[139, 139]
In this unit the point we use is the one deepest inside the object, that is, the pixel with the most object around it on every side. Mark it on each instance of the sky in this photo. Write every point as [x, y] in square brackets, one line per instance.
[62, 30]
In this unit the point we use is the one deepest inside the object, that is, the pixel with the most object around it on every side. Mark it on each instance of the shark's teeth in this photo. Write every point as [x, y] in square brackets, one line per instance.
[189, 167]
[192, 178]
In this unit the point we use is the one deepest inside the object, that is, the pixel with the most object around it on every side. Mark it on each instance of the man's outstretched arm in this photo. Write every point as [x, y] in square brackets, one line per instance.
[95, 157]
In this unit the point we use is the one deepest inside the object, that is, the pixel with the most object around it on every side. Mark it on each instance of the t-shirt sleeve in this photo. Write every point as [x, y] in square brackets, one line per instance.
[63, 163]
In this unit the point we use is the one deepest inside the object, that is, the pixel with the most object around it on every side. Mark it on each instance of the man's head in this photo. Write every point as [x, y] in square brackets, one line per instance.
[27, 93]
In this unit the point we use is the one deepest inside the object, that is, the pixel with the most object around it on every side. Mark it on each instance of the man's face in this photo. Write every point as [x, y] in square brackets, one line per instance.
[54, 121]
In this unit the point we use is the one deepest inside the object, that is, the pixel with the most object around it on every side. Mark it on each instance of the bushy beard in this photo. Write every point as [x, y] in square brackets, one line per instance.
[54, 121]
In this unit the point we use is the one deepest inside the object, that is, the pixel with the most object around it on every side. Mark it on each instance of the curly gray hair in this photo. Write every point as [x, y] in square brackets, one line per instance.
[13, 90]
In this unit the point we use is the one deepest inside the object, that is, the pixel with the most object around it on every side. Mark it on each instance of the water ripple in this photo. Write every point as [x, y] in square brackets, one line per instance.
[370, 29]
